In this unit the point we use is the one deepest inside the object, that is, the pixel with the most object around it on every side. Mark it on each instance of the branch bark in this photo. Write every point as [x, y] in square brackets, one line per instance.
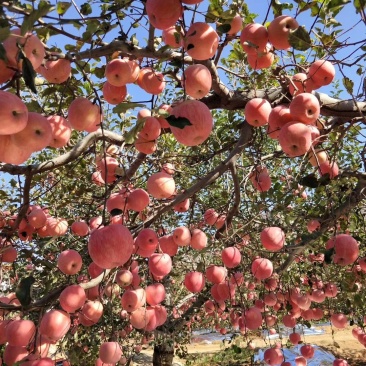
[64, 159]
[327, 221]
[244, 139]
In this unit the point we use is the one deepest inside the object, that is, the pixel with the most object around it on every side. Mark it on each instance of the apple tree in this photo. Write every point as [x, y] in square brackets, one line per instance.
[169, 165]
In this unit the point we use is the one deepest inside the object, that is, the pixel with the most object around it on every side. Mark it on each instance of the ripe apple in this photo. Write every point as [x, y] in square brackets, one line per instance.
[201, 121]
[11, 153]
[262, 60]
[172, 37]
[110, 352]
[57, 71]
[261, 179]
[254, 38]
[197, 81]
[262, 268]
[6, 72]
[322, 72]
[318, 157]
[302, 83]
[231, 257]
[32, 47]
[305, 108]
[273, 238]
[279, 30]
[72, 298]
[329, 167]
[13, 113]
[182, 236]
[346, 249]
[119, 72]
[201, 41]
[161, 185]
[69, 262]
[152, 82]
[36, 135]
[257, 112]
[160, 264]
[273, 356]
[110, 246]
[167, 245]
[278, 117]
[295, 138]
[114, 94]
[194, 281]
[235, 25]
[145, 146]
[61, 131]
[163, 15]
[84, 115]
[151, 129]
[55, 324]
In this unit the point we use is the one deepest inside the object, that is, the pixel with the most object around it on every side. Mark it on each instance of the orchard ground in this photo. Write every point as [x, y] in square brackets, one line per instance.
[342, 345]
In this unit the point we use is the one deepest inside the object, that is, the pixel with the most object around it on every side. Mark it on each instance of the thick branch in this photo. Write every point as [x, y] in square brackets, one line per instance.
[340, 108]
[95, 281]
[244, 139]
[235, 206]
[62, 160]
[54, 295]
[222, 97]
[131, 50]
[329, 106]
[174, 325]
[41, 303]
[328, 221]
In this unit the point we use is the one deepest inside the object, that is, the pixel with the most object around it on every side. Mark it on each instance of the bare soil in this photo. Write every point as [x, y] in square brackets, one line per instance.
[342, 344]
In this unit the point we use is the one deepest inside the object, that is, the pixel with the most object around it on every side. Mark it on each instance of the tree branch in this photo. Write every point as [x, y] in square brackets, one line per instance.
[73, 154]
[244, 139]
[235, 206]
[95, 281]
[328, 220]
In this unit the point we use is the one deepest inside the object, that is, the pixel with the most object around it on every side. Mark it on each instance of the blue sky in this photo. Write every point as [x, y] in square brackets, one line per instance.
[347, 16]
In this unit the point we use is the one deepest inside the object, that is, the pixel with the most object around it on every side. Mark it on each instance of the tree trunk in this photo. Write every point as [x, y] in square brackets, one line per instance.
[163, 354]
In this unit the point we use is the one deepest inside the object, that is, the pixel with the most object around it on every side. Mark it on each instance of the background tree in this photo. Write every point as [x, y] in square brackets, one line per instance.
[170, 165]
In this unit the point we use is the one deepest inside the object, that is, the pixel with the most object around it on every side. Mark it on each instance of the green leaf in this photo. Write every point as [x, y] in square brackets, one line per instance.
[124, 107]
[309, 181]
[236, 349]
[228, 15]
[2, 53]
[359, 5]
[163, 113]
[62, 7]
[358, 300]
[30, 19]
[116, 212]
[324, 180]
[86, 9]
[328, 255]
[299, 39]
[134, 40]
[179, 122]
[223, 28]
[24, 290]
[131, 136]
[4, 33]
[348, 84]
[177, 37]
[29, 74]
[213, 12]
